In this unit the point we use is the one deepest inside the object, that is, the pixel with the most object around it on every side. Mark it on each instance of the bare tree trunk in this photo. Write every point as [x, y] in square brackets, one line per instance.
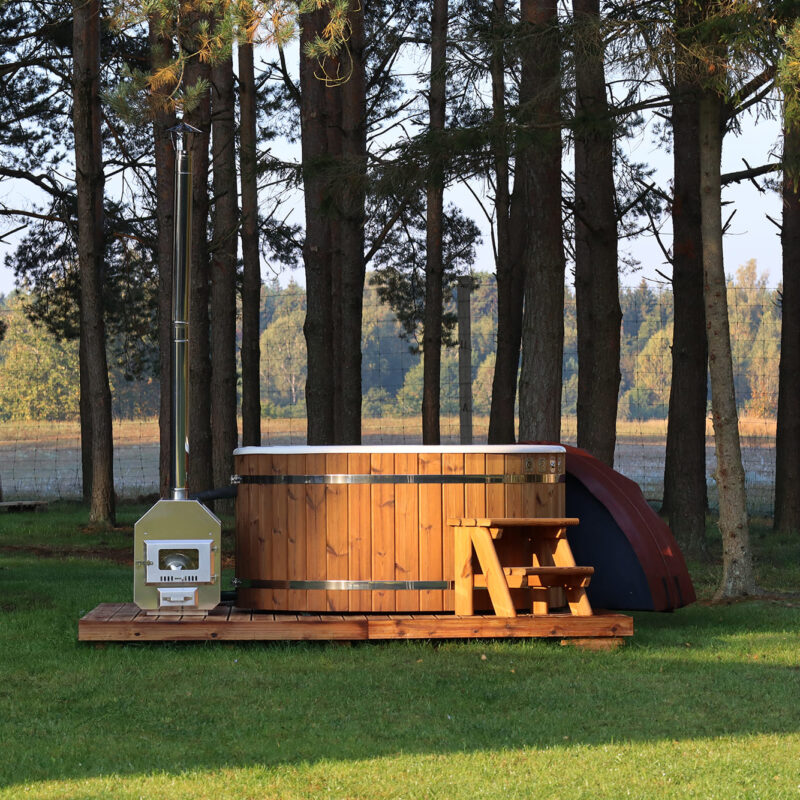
[787, 446]
[351, 237]
[509, 272]
[434, 266]
[685, 464]
[318, 326]
[85, 412]
[224, 435]
[200, 476]
[463, 293]
[86, 116]
[737, 566]
[163, 120]
[251, 260]
[333, 127]
[334, 137]
[540, 163]
[596, 281]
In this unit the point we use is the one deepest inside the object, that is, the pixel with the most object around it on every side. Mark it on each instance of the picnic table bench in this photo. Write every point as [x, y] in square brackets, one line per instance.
[553, 565]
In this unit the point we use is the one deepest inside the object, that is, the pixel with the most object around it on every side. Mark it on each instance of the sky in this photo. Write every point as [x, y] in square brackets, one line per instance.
[751, 234]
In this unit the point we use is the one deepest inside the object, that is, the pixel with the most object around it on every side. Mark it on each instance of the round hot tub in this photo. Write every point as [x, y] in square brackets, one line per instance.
[359, 528]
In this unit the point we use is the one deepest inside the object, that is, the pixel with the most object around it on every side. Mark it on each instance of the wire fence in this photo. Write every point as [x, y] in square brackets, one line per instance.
[40, 456]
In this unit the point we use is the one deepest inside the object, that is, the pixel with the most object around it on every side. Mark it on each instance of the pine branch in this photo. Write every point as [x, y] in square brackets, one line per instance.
[750, 173]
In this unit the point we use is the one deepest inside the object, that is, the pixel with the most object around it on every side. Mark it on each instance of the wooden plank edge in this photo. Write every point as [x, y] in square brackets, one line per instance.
[211, 629]
[488, 627]
[377, 628]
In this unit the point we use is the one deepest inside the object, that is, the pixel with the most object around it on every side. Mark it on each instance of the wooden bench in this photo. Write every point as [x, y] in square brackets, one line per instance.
[553, 565]
[23, 505]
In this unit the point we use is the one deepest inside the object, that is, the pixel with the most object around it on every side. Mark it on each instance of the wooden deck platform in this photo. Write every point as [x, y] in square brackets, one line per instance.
[125, 622]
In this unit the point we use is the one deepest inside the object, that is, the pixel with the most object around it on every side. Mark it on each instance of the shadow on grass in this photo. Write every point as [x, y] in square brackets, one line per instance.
[73, 711]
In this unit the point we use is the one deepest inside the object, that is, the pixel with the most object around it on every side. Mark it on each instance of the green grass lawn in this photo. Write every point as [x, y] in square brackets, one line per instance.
[703, 702]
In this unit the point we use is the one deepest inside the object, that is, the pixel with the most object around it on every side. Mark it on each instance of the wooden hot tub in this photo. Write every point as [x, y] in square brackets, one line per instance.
[365, 528]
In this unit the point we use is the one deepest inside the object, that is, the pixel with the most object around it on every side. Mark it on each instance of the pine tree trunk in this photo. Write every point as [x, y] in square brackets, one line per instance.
[353, 267]
[334, 140]
[540, 163]
[333, 128]
[508, 268]
[86, 116]
[737, 567]
[787, 447]
[163, 120]
[685, 465]
[318, 326]
[224, 434]
[434, 230]
[200, 476]
[85, 413]
[596, 281]
[251, 260]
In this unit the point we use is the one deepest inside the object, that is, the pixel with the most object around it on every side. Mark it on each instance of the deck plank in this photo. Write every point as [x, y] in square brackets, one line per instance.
[123, 622]
[102, 612]
[126, 613]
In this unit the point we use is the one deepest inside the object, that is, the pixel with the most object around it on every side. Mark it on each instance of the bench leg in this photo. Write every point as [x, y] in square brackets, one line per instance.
[540, 605]
[562, 554]
[464, 582]
[578, 602]
[495, 579]
[545, 599]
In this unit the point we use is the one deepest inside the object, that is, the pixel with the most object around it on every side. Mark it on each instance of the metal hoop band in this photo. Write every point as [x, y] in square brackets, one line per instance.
[402, 479]
[346, 586]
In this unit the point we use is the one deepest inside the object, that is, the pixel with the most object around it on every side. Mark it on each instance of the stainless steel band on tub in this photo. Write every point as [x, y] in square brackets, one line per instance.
[347, 586]
[514, 477]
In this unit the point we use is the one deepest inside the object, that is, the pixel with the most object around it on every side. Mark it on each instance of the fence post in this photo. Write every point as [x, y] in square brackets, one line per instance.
[464, 358]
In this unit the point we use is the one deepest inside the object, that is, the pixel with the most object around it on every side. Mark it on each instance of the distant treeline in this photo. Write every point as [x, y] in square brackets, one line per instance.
[39, 378]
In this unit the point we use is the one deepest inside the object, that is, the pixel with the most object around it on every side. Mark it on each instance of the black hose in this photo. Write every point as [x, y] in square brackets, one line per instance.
[225, 493]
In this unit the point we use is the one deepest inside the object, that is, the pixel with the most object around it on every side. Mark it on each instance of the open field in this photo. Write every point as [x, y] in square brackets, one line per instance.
[701, 702]
[42, 459]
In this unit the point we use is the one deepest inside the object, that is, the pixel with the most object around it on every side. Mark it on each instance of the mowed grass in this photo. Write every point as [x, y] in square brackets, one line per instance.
[703, 702]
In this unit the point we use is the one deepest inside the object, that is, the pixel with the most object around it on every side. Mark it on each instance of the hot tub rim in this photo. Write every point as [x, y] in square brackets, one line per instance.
[424, 449]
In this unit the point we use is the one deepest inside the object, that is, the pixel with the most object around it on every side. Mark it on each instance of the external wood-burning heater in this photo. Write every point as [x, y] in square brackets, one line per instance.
[177, 542]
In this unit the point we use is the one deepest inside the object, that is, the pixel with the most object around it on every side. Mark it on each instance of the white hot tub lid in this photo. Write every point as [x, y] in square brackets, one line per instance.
[505, 449]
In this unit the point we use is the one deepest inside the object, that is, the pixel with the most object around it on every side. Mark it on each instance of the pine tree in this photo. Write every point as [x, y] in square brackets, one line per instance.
[251, 256]
[596, 281]
[222, 308]
[787, 446]
[508, 257]
[538, 167]
[685, 500]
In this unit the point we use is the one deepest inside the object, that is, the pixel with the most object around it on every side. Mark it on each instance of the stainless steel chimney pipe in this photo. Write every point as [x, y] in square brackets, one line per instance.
[181, 258]
[177, 544]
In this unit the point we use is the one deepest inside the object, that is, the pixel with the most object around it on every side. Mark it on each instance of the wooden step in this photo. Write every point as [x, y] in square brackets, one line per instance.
[538, 577]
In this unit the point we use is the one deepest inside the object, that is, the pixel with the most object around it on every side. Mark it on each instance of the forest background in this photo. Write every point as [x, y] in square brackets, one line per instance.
[41, 372]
